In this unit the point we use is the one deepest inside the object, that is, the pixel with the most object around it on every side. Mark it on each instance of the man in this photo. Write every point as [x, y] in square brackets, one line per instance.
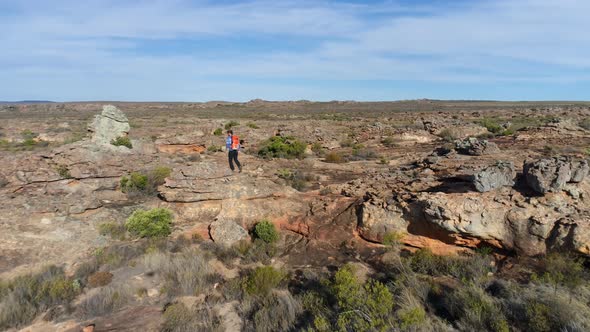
[232, 145]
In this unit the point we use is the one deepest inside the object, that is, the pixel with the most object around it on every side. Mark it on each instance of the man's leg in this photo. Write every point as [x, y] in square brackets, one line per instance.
[230, 159]
[237, 161]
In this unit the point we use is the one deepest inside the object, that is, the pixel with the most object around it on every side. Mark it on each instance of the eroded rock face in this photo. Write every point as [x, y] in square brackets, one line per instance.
[552, 174]
[375, 221]
[474, 147]
[109, 125]
[529, 226]
[495, 176]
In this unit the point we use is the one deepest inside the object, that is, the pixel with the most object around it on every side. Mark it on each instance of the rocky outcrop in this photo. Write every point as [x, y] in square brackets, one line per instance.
[492, 177]
[552, 174]
[376, 220]
[109, 125]
[473, 147]
[509, 220]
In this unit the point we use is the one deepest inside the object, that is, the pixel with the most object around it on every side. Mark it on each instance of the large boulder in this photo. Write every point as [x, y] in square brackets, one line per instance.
[495, 176]
[473, 147]
[227, 232]
[552, 174]
[109, 125]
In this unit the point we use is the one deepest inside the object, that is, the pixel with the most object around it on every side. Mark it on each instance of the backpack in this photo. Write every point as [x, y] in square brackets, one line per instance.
[235, 142]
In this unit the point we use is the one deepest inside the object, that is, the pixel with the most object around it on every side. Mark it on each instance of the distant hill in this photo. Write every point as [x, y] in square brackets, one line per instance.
[27, 102]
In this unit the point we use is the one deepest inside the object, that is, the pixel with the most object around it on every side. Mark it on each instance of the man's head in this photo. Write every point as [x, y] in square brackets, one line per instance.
[230, 132]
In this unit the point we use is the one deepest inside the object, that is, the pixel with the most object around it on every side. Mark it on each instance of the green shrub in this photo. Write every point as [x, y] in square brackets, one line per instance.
[135, 182]
[262, 280]
[392, 238]
[252, 125]
[334, 158]
[411, 317]
[492, 125]
[282, 147]
[152, 223]
[27, 134]
[562, 270]
[218, 132]
[266, 231]
[231, 124]
[145, 183]
[122, 141]
[362, 307]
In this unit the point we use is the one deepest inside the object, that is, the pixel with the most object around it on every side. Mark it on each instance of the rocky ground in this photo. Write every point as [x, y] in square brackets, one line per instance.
[449, 177]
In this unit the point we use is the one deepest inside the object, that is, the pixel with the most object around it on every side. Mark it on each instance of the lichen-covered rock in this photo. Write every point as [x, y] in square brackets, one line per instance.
[474, 147]
[227, 232]
[109, 125]
[552, 174]
[495, 176]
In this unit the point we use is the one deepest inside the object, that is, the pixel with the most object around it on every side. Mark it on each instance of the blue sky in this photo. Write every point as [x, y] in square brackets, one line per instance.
[183, 50]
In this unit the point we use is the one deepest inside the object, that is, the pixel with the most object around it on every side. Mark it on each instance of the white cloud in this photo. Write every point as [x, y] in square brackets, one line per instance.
[66, 43]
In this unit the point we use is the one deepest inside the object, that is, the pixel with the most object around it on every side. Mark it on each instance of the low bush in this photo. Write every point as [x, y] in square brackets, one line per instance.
[474, 310]
[214, 148]
[100, 279]
[179, 318]
[364, 154]
[447, 135]
[122, 141]
[231, 124]
[559, 269]
[466, 268]
[277, 312]
[252, 125]
[218, 132]
[492, 125]
[113, 229]
[361, 307]
[334, 158]
[282, 147]
[262, 280]
[585, 123]
[105, 301]
[145, 183]
[389, 142]
[184, 273]
[152, 223]
[24, 297]
[266, 231]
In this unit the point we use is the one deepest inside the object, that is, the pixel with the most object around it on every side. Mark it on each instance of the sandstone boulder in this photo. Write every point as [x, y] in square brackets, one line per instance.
[375, 221]
[495, 176]
[109, 125]
[227, 232]
[473, 147]
[552, 174]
